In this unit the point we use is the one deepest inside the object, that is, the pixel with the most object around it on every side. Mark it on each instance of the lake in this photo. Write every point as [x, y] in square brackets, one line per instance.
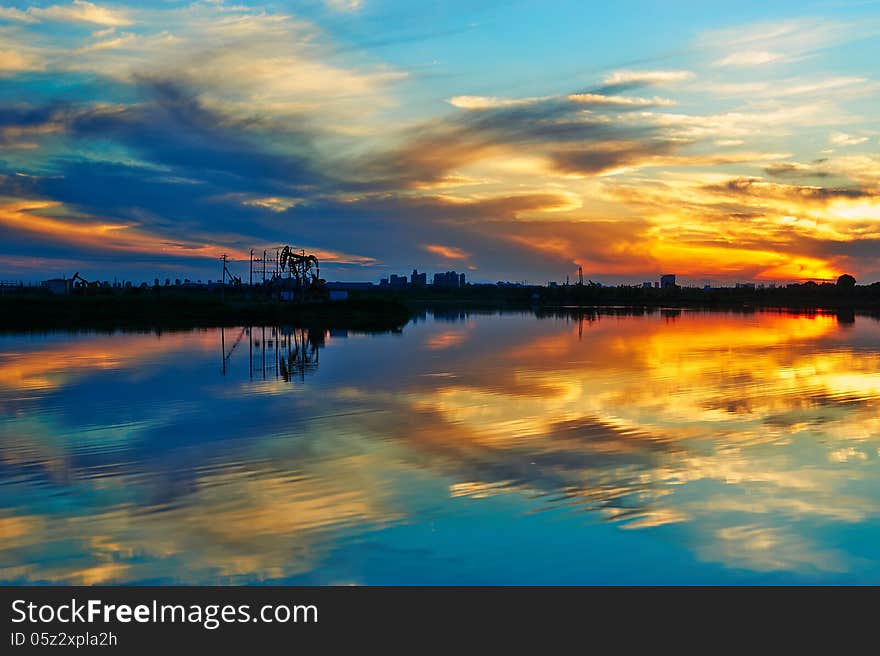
[610, 447]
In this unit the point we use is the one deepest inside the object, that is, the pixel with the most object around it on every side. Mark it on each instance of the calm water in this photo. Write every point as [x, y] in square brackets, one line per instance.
[666, 448]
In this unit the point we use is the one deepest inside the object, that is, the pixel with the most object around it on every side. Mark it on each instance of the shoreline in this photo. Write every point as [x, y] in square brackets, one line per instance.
[181, 311]
[366, 312]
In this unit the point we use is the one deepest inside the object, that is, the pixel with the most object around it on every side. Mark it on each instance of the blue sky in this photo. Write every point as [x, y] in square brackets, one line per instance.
[516, 140]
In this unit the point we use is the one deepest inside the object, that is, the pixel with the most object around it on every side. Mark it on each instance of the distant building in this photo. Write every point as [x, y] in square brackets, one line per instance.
[647, 285]
[397, 281]
[745, 285]
[449, 279]
[462, 281]
[383, 282]
[667, 280]
[418, 279]
[56, 285]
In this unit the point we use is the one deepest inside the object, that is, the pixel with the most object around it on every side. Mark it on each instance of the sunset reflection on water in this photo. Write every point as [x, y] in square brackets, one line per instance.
[581, 447]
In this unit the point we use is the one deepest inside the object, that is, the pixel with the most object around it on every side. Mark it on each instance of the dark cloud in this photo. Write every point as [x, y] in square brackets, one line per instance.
[866, 248]
[761, 189]
[607, 157]
[575, 141]
[795, 171]
[27, 115]
[177, 131]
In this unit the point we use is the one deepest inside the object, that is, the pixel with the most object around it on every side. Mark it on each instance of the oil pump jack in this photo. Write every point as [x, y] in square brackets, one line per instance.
[305, 270]
[77, 281]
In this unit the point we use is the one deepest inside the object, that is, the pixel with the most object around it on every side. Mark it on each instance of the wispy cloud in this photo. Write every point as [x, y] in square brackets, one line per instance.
[490, 102]
[624, 101]
[13, 14]
[344, 5]
[79, 11]
[446, 252]
[752, 58]
[782, 42]
[647, 78]
[844, 139]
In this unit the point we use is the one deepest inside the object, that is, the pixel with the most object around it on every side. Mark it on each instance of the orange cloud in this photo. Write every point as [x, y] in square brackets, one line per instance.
[447, 252]
[35, 216]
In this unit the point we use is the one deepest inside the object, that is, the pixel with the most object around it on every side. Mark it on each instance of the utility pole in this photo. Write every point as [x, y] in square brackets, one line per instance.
[580, 276]
[223, 281]
[251, 283]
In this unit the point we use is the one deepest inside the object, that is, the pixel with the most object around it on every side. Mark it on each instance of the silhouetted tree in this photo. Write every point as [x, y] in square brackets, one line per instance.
[846, 281]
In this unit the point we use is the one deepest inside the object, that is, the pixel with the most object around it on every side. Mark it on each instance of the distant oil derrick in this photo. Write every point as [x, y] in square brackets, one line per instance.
[294, 275]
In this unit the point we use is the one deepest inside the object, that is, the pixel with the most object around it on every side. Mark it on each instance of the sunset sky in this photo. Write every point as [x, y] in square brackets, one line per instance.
[510, 140]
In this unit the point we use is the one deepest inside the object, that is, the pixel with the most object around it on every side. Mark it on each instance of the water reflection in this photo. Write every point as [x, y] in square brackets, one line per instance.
[470, 448]
[277, 351]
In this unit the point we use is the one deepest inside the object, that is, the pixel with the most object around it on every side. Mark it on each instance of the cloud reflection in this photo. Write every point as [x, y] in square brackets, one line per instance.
[748, 439]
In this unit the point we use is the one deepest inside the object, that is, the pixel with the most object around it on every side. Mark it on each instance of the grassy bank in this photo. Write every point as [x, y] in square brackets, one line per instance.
[43, 312]
[862, 298]
[383, 310]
